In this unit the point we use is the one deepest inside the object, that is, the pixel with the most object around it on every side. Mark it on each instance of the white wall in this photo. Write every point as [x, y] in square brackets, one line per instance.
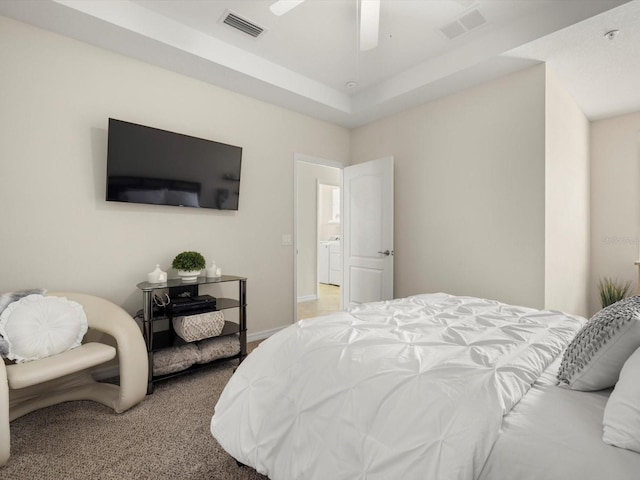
[615, 201]
[309, 175]
[469, 190]
[58, 232]
[566, 201]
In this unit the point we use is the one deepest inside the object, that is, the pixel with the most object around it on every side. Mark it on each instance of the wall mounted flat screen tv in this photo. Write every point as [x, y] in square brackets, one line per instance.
[148, 165]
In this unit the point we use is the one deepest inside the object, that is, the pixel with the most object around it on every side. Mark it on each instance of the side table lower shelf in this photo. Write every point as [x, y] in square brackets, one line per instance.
[174, 356]
[195, 367]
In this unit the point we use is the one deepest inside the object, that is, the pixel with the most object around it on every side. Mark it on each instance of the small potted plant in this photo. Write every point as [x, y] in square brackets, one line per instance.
[612, 290]
[189, 265]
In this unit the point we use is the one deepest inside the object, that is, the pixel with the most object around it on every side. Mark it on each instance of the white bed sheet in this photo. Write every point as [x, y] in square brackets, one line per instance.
[555, 433]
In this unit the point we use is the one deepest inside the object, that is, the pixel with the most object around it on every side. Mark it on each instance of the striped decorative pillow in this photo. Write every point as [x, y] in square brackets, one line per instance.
[594, 358]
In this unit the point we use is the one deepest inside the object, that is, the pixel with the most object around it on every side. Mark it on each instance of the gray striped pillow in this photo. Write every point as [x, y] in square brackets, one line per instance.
[594, 358]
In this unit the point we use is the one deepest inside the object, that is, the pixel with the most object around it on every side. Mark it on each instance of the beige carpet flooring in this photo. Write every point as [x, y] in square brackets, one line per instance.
[164, 437]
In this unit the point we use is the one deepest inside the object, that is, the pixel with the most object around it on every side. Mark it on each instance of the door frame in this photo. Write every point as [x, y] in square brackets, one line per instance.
[297, 159]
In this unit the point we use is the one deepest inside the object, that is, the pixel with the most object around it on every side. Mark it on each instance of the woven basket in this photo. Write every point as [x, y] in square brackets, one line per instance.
[196, 327]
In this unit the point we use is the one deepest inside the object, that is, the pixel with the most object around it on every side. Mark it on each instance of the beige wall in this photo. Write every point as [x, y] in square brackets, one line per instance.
[615, 201]
[58, 232]
[476, 183]
[566, 200]
[469, 190]
[309, 175]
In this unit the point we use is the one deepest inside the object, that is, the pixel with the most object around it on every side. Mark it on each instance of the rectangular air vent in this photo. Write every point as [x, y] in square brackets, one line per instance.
[453, 30]
[472, 20]
[465, 23]
[245, 26]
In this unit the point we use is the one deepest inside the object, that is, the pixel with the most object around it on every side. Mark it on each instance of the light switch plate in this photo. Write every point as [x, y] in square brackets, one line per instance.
[287, 239]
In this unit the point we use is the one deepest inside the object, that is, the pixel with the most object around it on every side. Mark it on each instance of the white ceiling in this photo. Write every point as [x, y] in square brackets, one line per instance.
[305, 58]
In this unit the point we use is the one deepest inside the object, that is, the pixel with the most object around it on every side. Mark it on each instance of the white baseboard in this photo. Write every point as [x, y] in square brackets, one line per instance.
[252, 337]
[307, 298]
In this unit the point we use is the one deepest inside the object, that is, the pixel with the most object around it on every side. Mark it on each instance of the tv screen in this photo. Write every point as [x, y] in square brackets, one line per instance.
[148, 165]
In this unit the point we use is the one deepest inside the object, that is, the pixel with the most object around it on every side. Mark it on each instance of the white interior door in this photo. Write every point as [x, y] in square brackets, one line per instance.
[367, 232]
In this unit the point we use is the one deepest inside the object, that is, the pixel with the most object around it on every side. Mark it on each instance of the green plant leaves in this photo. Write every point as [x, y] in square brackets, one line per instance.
[189, 261]
[612, 290]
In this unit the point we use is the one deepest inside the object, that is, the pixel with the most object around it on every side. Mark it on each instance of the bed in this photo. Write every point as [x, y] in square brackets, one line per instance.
[431, 386]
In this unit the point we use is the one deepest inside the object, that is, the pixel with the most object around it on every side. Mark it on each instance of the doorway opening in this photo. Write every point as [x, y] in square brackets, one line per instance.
[318, 260]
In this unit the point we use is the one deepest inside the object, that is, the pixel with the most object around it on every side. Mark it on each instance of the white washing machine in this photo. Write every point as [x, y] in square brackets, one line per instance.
[330, 261]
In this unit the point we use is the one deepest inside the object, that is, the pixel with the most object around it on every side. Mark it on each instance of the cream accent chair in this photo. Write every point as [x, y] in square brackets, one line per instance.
[25, 387]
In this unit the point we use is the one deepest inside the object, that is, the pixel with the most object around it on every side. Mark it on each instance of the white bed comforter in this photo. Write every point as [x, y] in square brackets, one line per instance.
[405, 389]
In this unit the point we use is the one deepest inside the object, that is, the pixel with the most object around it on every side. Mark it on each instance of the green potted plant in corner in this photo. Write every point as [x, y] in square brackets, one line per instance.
[612, 290]
[189, 265]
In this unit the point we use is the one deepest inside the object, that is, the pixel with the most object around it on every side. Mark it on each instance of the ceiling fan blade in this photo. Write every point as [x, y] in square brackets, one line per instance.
[369, 24]
[283, 6]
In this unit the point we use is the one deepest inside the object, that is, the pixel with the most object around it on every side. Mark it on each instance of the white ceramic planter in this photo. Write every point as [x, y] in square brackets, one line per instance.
[189, 275]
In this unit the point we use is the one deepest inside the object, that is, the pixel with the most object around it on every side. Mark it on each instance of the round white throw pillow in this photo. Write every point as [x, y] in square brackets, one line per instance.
[37, 327]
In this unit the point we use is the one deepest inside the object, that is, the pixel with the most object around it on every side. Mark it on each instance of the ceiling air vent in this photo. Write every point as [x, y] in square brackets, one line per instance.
[472, 20]
[242, 24]
[453, 30]
[468, 21]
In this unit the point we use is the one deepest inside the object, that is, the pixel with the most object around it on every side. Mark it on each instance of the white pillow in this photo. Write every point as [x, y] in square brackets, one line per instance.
[5, 300]
[622, 413]
[36, 327]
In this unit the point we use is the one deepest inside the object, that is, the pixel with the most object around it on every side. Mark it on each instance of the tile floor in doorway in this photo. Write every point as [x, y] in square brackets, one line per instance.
[328, 302]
